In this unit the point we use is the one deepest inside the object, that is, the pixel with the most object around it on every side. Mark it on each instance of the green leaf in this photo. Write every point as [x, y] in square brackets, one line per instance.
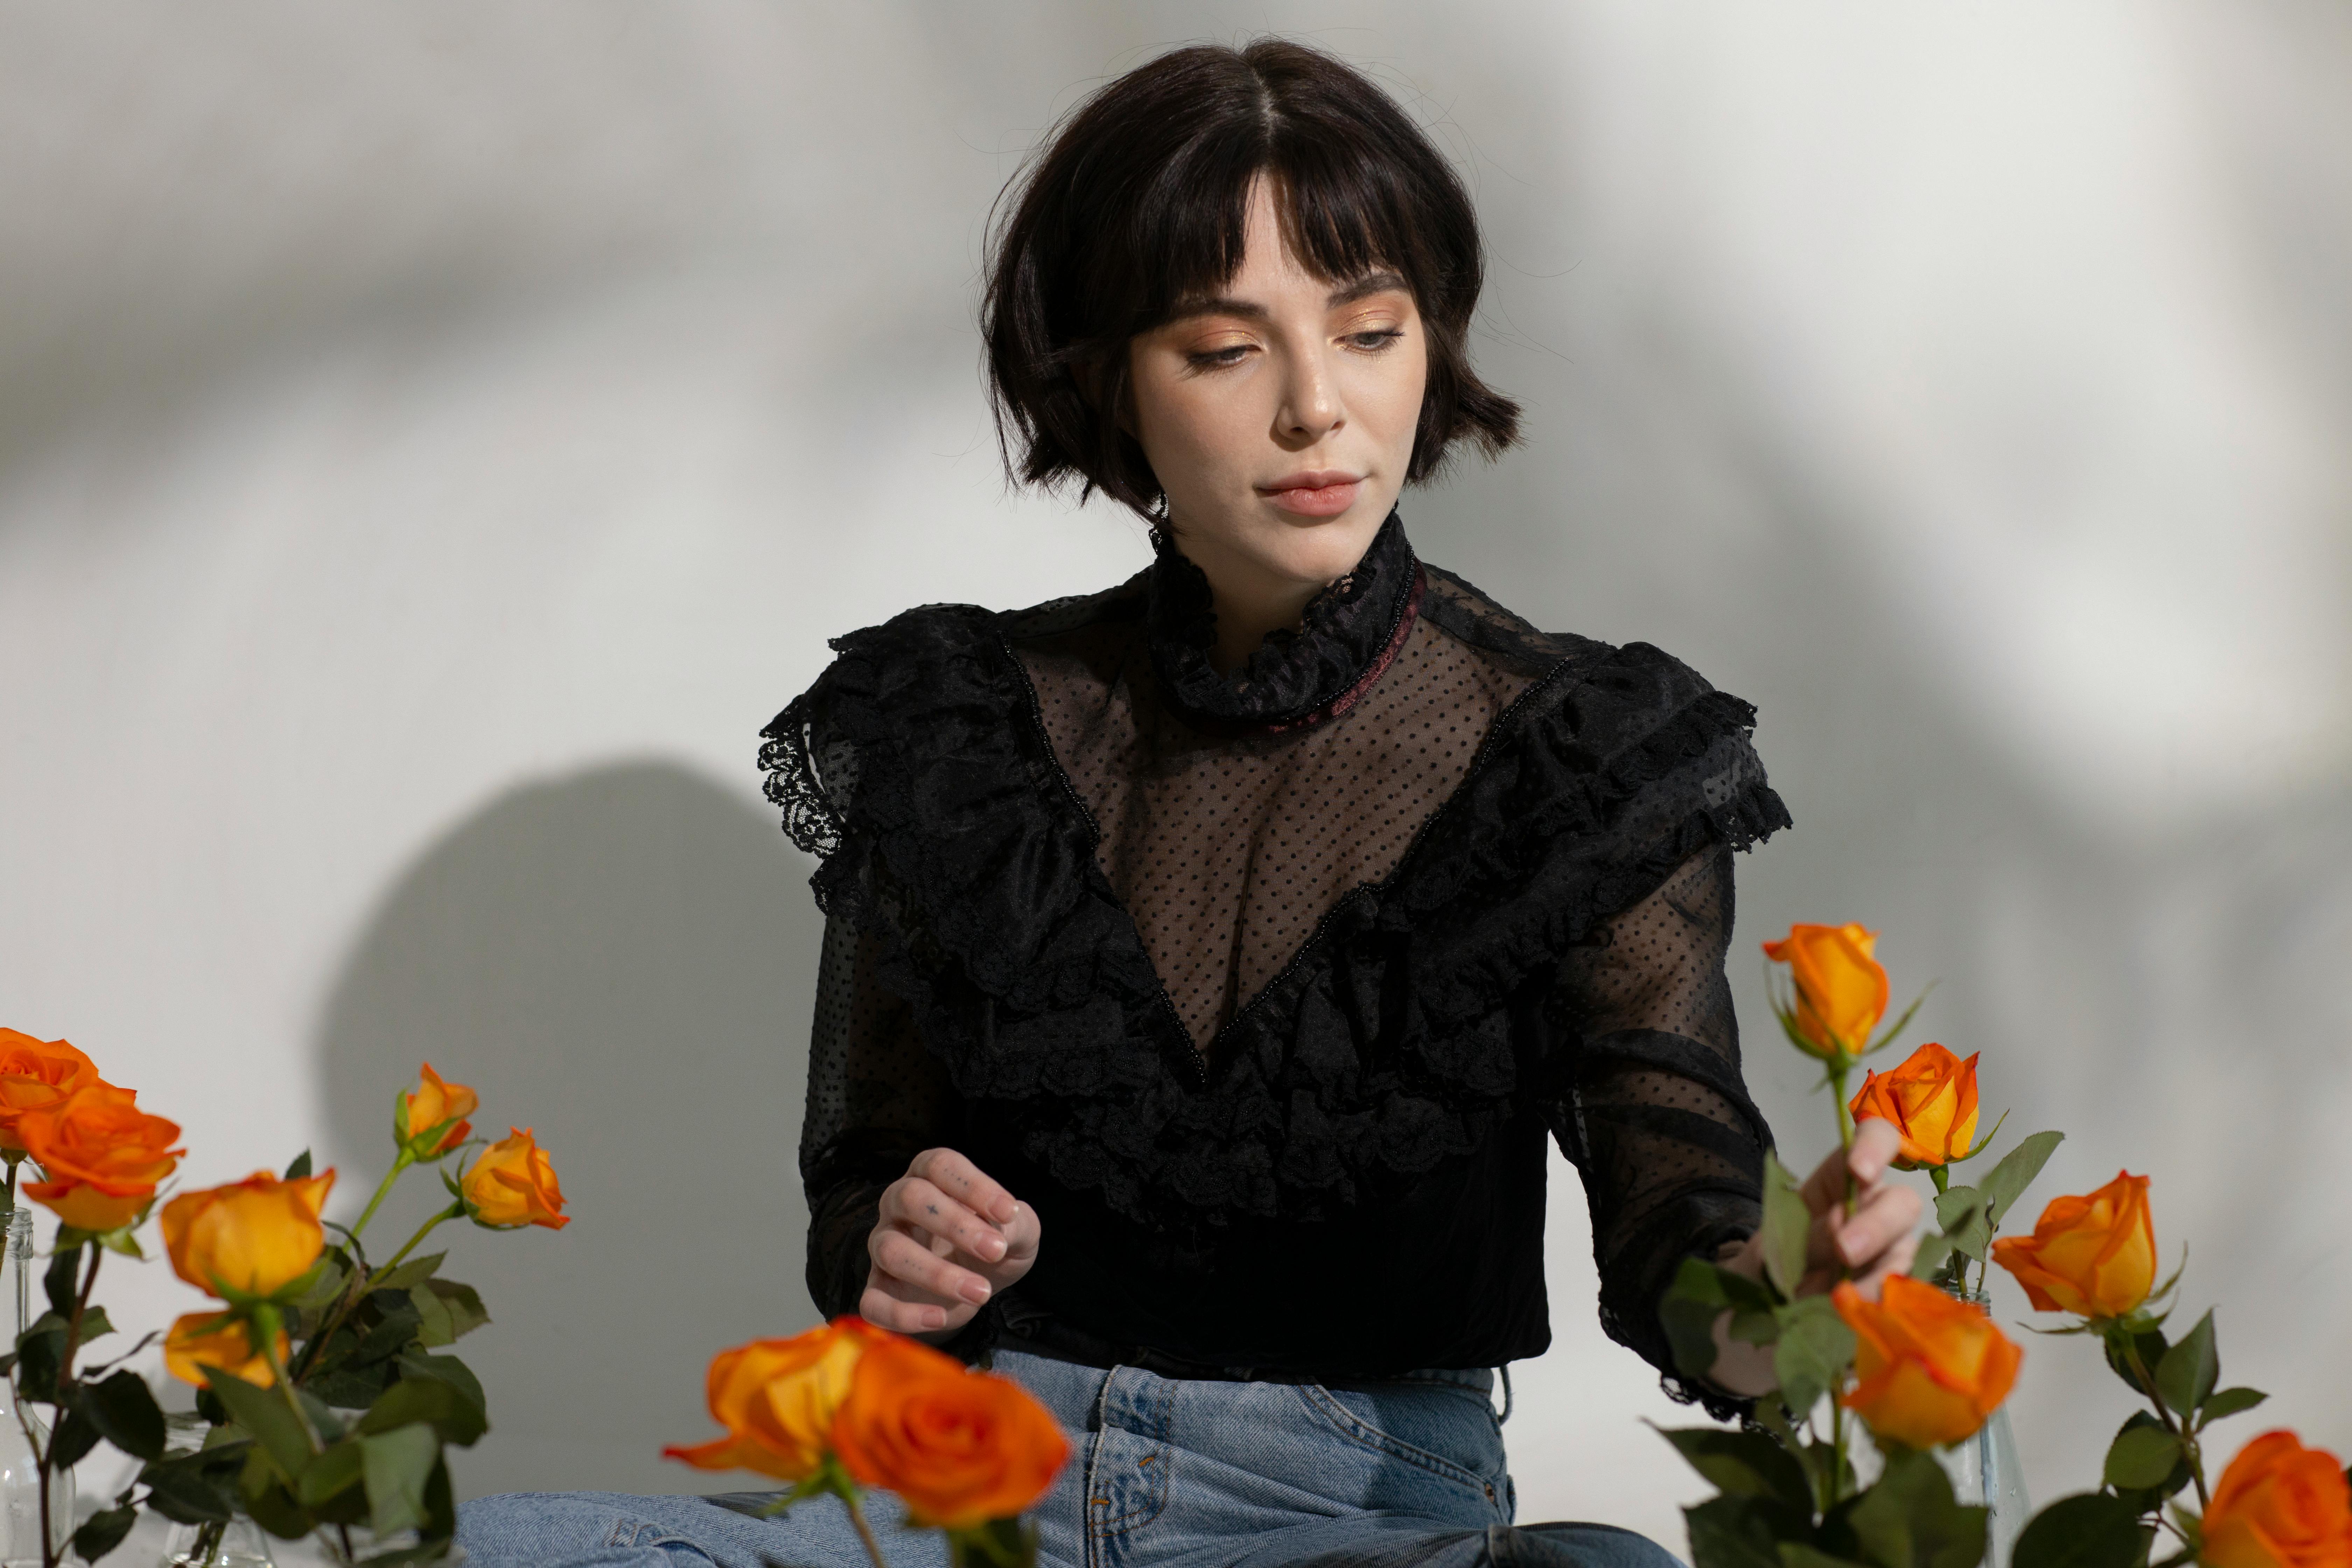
[1744, 1464]
[456, 1418]
[2188, 1369]
[1797, 1554]
[416, 1271]
[269, 1500]
[2089, 1530]
[326, 1287]
[183, 1491]
[448, 1369]
[261, 1413]
[2013, 1172]
[999, 1543]
[1909, 1518]
[1687, 1312]
[1814, 1349]
[126, 1415]
[102, 1532]
[2230, 1402]
[38, 1353]
[2146, 1500]
[2141, 1457]
[332, 1472]
[448, 1311]
[76, 1434]
[1966, 1231]
[2151, 1345]
[1788, 1224]
[398, 1464]
[300, 1168]
[63, 1280]
[1731, 1532]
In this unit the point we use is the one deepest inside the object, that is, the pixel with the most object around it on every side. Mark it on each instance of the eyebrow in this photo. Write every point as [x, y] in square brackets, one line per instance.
[1379, 281]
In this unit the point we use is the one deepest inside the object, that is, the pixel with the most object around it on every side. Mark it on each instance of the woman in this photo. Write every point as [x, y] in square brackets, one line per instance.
[1208, 959]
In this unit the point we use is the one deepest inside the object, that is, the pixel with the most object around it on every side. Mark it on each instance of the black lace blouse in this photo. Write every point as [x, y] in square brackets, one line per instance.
[1265, 991]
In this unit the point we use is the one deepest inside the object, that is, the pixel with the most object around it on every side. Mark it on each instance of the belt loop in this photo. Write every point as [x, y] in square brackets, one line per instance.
[1506, 1416]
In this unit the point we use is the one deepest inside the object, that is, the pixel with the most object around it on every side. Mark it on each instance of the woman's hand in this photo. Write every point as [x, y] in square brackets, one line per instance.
[947, 1240]
[1876, 1240]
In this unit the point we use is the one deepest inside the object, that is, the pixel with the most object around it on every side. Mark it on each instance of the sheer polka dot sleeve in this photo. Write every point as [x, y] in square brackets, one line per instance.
[876, 1099]
[1649, 1103]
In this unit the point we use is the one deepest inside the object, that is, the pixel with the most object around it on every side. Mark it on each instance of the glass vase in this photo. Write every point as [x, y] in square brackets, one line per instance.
[355, 1545]
[239, 1543]
[1985, 1472]
[20, 1477]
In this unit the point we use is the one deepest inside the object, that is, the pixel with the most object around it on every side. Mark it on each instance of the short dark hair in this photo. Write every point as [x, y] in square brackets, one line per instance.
[1137, 205]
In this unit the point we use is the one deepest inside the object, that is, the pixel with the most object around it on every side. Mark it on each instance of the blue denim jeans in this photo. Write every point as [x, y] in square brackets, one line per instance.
[1163, 1473]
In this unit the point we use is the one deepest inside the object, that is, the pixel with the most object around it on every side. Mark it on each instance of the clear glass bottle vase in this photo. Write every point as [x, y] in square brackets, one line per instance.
[1985, 1471]
[20, 1481]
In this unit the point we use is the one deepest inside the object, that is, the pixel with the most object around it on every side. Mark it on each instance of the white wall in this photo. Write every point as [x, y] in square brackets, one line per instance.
[434, 439]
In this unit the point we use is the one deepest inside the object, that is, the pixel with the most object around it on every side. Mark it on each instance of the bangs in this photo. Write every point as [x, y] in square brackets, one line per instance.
[1334, 219]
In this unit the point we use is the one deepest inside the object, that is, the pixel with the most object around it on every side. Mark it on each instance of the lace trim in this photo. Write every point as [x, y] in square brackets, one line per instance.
[1296, 678]
[936, 811]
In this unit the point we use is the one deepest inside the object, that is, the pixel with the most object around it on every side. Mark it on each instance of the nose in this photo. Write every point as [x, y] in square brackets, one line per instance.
[1310, 408]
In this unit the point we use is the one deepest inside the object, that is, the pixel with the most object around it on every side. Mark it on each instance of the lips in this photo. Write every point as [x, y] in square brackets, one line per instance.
[1323, 493]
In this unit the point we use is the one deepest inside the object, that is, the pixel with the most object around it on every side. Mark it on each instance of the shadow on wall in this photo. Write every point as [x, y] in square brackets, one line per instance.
[623, 960]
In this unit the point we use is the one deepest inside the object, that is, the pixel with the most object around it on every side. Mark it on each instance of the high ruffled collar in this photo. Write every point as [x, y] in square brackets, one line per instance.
[1300, 676]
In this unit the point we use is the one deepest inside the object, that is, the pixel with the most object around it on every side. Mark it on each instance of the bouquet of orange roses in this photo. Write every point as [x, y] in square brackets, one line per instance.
[1924, 1369]
[850, 1406]
[327, 1403]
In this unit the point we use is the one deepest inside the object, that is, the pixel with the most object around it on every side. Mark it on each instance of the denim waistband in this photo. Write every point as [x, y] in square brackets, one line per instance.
[1057, 1342]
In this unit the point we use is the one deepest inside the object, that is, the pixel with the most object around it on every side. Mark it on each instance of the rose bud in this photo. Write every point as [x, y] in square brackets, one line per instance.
[1931, 1369]
[427, 1106]
[1841, 989]
[248, 1239]
[513, 1185]
[1932, 1102]
[2280, 1505]
[99, 1154]
[959, 1447]
[2092, 1256]
[218, 1340]
[777, 1399]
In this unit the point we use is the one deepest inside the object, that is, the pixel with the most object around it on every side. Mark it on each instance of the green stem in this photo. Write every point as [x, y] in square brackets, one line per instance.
[1837, 1449]
[864, 1530]
[399, 1164]
[2178, 1428]
[1839, 1066]
[65, 1386]
[265, 1326]
[362, 1285]
[453, 1212]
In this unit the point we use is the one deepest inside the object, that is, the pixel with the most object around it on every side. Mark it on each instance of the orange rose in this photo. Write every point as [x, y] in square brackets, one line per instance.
[777, 1400]
[34, 1076]
[1931, 1369]
[513, 1185]
[1931, 1100]
[2095, 1256]
[217, 1339]
[2280, 1505]
[1841, 989]
[101, 1156]
[428, 1105]
[960, 1447]
[250, 1238]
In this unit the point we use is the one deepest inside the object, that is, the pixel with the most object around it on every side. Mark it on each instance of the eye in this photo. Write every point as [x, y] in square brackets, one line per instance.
[1375, 342]
[1217, 359]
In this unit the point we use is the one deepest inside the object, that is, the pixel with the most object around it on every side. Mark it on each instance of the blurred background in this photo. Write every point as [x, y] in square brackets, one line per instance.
[434, 439]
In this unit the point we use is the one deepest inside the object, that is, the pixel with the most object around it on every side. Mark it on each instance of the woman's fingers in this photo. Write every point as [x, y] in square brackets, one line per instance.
[964, 1182]
[901, 1257]
[914, 1201]
[1878, 1236]
[904, 1309]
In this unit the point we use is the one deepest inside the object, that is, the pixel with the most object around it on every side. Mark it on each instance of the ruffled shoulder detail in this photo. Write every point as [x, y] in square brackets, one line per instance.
[917, 768]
